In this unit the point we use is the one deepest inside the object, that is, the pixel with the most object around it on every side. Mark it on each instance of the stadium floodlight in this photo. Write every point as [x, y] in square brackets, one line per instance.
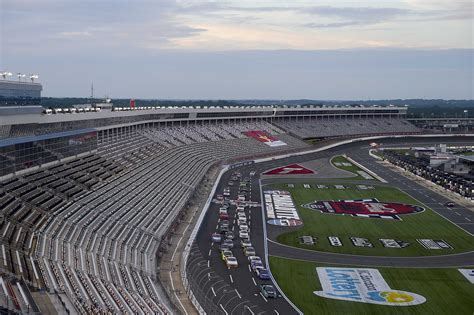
[20, 76]
[5, 74]
[33, 77]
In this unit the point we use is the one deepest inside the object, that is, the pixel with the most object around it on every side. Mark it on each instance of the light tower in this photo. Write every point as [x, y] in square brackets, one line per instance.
[21, 76]
[33, 77]
[5, 74]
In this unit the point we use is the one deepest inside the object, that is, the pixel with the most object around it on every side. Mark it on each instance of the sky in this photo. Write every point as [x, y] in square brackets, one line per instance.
[246, 49]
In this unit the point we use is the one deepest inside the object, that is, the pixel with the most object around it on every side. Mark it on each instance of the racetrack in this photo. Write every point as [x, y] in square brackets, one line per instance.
[243, 281]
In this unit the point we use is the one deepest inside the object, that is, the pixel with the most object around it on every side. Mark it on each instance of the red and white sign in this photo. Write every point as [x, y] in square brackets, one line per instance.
[264, 137]
[292, 169]
[369, 208]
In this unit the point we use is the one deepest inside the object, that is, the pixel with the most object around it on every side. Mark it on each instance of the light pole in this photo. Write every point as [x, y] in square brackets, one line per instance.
[5, 74]
[20, 76]
[33, 77]
[466, 115]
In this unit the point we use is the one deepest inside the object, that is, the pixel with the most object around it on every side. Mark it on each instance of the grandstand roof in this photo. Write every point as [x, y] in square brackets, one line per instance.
[212, 113]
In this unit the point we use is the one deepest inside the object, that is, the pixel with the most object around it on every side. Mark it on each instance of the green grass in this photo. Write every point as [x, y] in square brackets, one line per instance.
[313, 141]
[353, 168]
[446, 290]
[377, 153]
[426, 224]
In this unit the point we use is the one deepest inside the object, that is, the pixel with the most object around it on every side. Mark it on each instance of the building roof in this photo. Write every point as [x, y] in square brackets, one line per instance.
[215, 112]
[18, 85]
[468, 158]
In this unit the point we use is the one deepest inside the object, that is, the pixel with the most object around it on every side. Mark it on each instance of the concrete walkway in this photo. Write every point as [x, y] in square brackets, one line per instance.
[171, 262]
[45, 304]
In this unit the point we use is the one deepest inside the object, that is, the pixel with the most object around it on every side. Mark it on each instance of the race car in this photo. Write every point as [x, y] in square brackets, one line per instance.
[225, 254]
[231, 262]
[249, 251]
[216, 238]
[268, 291]
[262, 274]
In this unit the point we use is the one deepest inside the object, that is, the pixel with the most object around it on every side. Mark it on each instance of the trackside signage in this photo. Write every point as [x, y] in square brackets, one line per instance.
[362, 285]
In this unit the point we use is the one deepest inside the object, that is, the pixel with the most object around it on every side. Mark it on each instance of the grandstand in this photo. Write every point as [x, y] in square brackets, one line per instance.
[87, 199]
[342, 127]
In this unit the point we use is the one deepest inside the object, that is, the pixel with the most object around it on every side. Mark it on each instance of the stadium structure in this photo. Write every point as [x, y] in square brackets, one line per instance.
[19, 93]
[89, 201]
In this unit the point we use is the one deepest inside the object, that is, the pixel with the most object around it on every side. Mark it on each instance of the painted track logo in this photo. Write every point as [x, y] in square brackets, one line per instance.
[369, 208]
[362, 285]
[264, 137]
[291, 169]
[285, 222]
[390, 296]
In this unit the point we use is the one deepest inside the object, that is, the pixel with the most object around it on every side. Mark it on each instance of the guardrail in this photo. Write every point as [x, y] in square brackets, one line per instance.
[192, 237]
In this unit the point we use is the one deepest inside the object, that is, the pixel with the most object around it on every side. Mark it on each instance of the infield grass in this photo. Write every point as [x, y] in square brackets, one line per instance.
[352, 168]
[426, 224]
[446, 290]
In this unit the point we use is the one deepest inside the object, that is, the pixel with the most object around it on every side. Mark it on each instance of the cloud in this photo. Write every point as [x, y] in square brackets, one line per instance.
[341, 16]
[73, 35]
[92, 24]
[355, 13]
[355, 16]
[439, 4]
[338, 16]
[333, 25]
[147, 26]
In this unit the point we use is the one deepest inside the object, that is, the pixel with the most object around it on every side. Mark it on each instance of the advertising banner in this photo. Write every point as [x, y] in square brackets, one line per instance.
[392, 243]
[434, 244]
[370, 208]
[279, 205]
[264, 137]
[362, 285]
[468, 274]
[285, 222]
[334, 241]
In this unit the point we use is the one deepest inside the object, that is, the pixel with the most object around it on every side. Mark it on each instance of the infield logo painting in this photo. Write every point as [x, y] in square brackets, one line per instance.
[369, 208]
[292, 169]
[362, 285]
[285, 222]
[264, 137]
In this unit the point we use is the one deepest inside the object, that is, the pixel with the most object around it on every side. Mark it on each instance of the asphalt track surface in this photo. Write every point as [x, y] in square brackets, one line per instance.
[236, 291]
